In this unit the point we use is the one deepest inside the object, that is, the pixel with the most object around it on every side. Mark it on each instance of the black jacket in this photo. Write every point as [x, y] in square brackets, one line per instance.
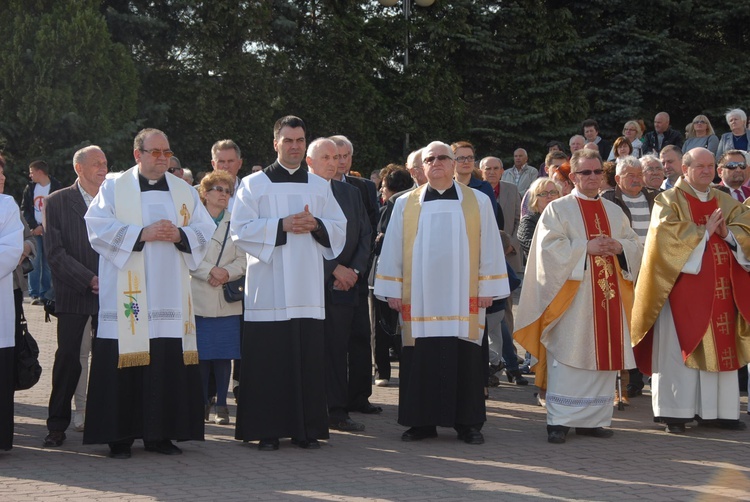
[27, 201]
[650, 141]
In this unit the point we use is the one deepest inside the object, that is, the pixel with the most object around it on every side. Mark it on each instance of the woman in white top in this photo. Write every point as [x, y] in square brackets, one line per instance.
[633, 132]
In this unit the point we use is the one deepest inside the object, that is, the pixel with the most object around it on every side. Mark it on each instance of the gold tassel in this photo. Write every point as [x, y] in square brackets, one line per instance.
[190, 357]
[134, 359]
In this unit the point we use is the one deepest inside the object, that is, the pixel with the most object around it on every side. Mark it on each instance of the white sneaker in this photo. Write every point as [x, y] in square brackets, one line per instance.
[381, 382]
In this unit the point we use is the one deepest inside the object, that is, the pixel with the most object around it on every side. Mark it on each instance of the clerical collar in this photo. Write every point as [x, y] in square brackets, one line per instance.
[147, 185]
[288, 169]
[702, 195]
[435, 194]
[583, 196]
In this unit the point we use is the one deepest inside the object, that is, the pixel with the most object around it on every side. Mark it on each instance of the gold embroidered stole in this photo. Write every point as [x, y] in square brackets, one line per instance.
[132, 300]
[605, 271]
[412, 210]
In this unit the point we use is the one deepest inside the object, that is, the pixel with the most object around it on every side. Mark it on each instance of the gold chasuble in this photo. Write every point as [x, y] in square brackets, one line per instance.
[412, 210]
[711, 308]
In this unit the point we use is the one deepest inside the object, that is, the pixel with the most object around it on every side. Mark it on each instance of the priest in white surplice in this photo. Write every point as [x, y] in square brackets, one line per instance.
[149, 228]
[441, 265]
[574, 311]
[11, 247]
[287, 221]
[691, 327]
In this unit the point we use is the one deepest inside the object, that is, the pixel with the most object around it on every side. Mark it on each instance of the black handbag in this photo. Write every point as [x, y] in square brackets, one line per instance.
[27, 370]
[26, 266]
[234, 291]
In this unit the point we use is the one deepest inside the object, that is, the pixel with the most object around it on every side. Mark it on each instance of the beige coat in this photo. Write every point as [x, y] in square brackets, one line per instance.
[208, 301]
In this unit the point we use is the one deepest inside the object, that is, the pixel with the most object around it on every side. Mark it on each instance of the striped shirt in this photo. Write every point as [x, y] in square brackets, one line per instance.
[639, 213]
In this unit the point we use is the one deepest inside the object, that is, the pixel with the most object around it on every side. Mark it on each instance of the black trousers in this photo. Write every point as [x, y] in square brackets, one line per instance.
[381, 340]
[337, 329]
[67, 368]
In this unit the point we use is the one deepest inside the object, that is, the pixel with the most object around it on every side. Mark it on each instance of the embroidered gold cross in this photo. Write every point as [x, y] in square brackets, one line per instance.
[185, 215]
[598, 225]
[723, 324]
[727, 356]
[722, 287]
[720, 254]
[132, 291]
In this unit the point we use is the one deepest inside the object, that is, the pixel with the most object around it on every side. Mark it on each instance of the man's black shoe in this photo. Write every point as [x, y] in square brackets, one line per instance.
[471, 436]
[368, 409]
[419, 433]
[556, 437]
[268, 444]
[634, 391]
[119, 451]
[307, 444]
[165, 447]
[346, 425]
[54, 439]
[676, 428]
[597, 432]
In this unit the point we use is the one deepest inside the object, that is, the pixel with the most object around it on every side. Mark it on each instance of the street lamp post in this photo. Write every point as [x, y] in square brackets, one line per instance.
[407, 42]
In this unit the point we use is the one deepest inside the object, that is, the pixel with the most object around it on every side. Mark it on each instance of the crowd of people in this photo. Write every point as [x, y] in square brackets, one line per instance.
[292, 284]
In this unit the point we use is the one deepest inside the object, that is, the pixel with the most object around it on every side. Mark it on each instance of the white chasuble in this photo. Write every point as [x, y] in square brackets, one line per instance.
[441, 301]
[286, 281]
[558, 258]
[11, 248]
[165, 267]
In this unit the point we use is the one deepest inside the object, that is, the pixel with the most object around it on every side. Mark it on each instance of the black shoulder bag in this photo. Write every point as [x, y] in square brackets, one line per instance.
[27, 370]
[234, 291]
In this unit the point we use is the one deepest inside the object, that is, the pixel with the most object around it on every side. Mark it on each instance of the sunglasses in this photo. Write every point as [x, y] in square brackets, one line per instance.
[734, 165]
[173, 169]
[589, 172]
[158, 153]
[219, 189]
[432, 160]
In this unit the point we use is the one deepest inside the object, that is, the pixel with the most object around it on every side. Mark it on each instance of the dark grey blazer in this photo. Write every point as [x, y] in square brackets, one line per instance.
[71, 258]
[356, 252]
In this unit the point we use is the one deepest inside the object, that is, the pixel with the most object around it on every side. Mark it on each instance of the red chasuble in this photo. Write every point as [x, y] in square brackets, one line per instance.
[608, 328]
[703, 305]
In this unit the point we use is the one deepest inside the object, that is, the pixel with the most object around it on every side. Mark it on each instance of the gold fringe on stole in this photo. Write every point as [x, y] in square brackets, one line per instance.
[470, 208]
[133, 359]
[190, 357]
[530, 337]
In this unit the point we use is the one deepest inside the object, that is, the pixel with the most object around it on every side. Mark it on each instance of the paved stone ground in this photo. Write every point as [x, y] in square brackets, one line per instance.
[641, 462]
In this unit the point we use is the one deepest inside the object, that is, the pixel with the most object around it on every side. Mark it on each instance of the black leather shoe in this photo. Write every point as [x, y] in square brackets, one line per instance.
[634, 391]
[516, 376]
[556, 437]
[346, 425]
[419, 433]
[471, 436]
[597, 432]
[54, 439]
[307, 444]
[119, 451]
[268, 444]
[676, 428]
[368, 409]
[165, 447]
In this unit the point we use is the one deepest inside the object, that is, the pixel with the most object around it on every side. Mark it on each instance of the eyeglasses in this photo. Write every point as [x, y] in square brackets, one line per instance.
[589, 172]
[466, 158]
[654, 170]
[630, 129]
[550, 193]
[221, 189]
[173, 169]
[734, 165]
[158, 153]
[700, 121]
[432, 160]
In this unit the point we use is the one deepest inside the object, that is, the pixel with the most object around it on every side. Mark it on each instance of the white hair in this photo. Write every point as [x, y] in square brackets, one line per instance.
[315, 144]
[342, 140]
[80, 155]
[736, 112]
[440, 143]
[625, 162]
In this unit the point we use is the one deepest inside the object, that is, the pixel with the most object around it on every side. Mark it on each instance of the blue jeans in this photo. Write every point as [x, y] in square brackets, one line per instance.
[40, 279]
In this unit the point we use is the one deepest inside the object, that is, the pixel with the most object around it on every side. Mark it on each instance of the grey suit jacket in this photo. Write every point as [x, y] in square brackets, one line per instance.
[71, 258]
[509, 201]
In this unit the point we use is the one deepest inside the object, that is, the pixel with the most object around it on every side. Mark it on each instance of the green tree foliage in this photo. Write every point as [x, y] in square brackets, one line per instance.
[63, 84]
